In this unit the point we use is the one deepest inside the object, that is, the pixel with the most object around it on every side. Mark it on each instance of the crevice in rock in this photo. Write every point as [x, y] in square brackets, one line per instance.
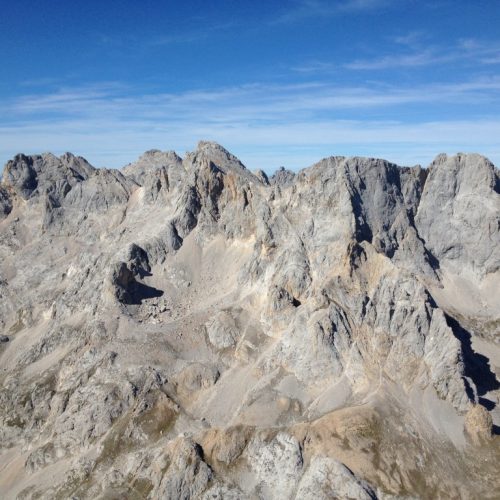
[496, 187]
[424, 174]
[363, 230]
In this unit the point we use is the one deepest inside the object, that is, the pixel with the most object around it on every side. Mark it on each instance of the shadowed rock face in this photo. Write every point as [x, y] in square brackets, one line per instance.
[5, 203]
[185, 328]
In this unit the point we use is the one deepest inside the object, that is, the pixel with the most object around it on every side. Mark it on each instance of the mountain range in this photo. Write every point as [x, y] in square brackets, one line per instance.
[186, 328]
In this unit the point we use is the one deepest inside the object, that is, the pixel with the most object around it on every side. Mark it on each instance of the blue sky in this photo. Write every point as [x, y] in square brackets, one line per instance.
[275, 82]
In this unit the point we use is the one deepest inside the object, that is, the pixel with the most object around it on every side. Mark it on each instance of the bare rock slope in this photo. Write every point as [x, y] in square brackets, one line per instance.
[185, 328]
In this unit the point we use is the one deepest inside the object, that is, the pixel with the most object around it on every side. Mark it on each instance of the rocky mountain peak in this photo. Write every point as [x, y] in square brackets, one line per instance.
[282, 177]
[150, 163]
[46, 173]
[211, 152]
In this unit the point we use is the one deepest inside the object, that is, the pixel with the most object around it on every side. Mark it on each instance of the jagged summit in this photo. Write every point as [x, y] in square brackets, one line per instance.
[150, 161]
[185, 328]
[46, 173]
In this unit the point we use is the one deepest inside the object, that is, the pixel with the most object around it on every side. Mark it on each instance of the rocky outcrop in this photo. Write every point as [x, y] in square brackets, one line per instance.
[282, 177]
[478, 424]
[151, 163]
[459, 213]
[185, 328]
[328, 478]
[31, 176]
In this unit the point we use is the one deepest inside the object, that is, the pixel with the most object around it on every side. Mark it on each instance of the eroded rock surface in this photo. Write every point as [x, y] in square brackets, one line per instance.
[185, 328]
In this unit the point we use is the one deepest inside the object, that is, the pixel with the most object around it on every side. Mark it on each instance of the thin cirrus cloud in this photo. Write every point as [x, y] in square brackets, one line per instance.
[316, 67]
[411, 52]
[199, 34]
[424, 58]
[266, 125]
[306, 9]
[255, 101]
[464, 51]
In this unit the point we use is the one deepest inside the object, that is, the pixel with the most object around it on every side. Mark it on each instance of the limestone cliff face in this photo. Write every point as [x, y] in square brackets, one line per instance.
[459, 213]
[185, 328]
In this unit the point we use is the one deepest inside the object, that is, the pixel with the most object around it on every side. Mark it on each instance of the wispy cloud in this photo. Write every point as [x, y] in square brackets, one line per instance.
[201, 33]
[40, 82]
[315, 67]
[172, 36]
[299, 123]
[304, 9]
[411, 39]
[248, 102]
[411, 51]
[424, 58]
[470, 50]
[483, 51]
[495, 59]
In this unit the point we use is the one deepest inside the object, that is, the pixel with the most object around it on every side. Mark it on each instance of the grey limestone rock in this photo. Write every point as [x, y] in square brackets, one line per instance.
[222, 330]
[328, 478]
[150, 163]
[262, 176]
[187, 475]
[282, 177]
[459, 213]
[46, 174]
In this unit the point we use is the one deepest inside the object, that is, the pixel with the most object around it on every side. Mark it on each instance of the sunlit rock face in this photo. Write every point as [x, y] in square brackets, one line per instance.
[184, 328]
